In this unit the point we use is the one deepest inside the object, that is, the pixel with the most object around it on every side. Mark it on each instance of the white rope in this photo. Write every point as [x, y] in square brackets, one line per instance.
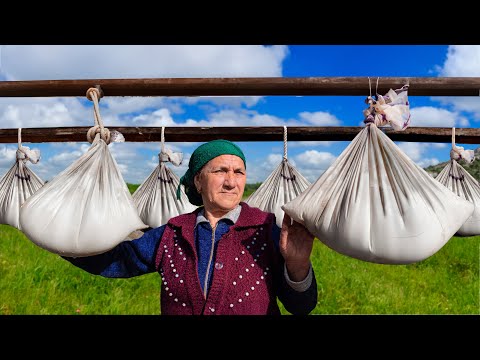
[20, 153]
[24, 153]
[369, 113]
[459, 153]
[370, 86]
[453, 138]
[162, 139]
[93, 94]
[163, 156]
[285, 143]
[454, 147]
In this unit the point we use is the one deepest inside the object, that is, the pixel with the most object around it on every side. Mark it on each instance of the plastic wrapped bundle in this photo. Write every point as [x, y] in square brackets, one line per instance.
[282, 186]
[375, 204]
[392, 109]
[86, 209]
[457, 179]
[18, 184]
[156, 198]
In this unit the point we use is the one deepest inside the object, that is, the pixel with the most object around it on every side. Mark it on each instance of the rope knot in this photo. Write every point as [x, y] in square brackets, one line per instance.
[105, 134]
[93, 90]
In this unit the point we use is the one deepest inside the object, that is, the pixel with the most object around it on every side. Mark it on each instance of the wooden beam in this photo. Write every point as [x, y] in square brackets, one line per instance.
[273, 133]
[421, 86]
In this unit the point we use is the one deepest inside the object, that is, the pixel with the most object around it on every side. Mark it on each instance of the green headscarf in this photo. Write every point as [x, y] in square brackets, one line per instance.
[202, 155]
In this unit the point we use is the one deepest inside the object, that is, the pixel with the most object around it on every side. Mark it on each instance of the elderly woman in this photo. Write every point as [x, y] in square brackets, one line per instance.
[223, 258]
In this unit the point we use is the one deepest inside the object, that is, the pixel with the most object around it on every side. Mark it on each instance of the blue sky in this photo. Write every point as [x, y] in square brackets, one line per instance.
[137, 160]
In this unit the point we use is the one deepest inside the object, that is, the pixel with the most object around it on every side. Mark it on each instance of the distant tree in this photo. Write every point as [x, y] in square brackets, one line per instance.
[250, 188]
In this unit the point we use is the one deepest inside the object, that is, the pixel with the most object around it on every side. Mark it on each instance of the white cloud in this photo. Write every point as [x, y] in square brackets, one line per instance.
[124, 151]
[258, 170]
[134, 159]
[311, 163]
[232, 101]
[469, 104]
[427, 162]
[297, 144]
[244, 117]
[136, 164]
[462, 60]
[50, 166]
[315, 159]
[237, 118]
[128, 61]
[429, 116]
[66, 157]
[133, 162]
[7, 157]
[265, 120]
[320, 118]
[272, 161]
[463, 122]
[131, 104]
[438, 145]
[43, 112]
[160, 117]
[140, 61]
[414, 150]
[421, 153]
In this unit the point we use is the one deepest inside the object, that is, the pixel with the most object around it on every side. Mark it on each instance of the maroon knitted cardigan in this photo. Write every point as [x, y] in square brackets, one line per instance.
[242, 280]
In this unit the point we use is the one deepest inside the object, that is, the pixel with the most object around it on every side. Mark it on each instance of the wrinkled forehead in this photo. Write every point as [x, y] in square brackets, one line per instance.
[229, 161]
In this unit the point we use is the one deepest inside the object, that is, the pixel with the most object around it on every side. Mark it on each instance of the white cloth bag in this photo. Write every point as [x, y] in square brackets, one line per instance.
[18, 184]
[457, 179]
[284, 184]
[156, 197]
[375, 204]
[86, 209]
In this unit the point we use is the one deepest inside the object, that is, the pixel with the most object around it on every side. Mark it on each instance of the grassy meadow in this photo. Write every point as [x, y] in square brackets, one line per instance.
[35, 281]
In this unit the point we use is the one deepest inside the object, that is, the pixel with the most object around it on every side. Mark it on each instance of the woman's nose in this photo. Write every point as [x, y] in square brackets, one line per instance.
[230, 178]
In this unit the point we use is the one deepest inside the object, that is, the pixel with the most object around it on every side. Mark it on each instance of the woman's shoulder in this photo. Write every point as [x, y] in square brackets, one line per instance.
[254, 215]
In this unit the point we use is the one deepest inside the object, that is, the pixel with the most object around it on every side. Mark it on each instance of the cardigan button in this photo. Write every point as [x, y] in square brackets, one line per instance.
[218, 265]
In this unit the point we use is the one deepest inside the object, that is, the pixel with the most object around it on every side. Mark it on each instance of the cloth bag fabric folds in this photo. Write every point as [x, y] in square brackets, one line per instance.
[87, 209]
[282, 185]
[156, 198]
[457, 179]
[18, 184]
[375, 204]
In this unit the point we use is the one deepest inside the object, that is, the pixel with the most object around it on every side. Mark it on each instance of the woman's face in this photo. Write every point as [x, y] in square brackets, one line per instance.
[221, 182]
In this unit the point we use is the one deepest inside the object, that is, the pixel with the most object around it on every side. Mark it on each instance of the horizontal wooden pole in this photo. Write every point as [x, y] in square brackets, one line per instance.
[272, 133]
[421, 86]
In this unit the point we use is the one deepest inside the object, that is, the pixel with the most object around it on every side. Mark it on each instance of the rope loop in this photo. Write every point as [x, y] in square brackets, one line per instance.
[93, 131]
[92, 91]
[94, 94]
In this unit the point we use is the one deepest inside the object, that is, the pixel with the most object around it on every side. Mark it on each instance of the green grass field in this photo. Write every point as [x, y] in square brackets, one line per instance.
[35, 281]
